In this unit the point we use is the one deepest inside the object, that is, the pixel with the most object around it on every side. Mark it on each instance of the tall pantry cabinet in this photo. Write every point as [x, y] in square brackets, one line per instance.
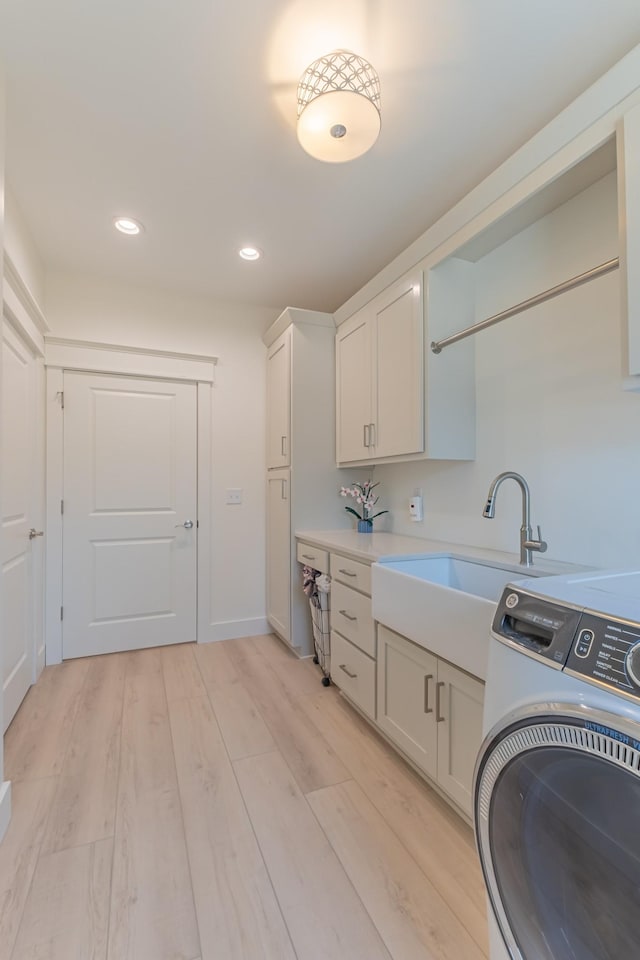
[303, 482]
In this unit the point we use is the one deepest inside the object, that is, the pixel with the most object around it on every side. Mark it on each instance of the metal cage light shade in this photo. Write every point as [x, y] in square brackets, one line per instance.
[338, 107]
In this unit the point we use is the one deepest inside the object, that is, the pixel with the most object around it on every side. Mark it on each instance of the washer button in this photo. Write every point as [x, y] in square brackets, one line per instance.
[583, 646]
[512, 601]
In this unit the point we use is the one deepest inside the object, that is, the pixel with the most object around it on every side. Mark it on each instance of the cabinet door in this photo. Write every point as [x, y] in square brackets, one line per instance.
[279, 553]
[406, 695]
[399, 363]
[353, 388]
[279, 402]
[459, 701]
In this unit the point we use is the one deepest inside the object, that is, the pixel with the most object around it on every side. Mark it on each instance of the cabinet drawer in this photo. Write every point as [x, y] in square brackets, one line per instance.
[313, 557]
[355, 673]
[351, 572]
[351, 616]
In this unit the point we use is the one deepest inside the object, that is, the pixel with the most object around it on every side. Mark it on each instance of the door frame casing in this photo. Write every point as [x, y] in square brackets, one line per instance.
[24, 316]
[87, 357]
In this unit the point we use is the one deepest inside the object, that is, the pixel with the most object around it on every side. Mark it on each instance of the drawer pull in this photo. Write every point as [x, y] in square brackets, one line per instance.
[427, 708]
[348, 673]
[439, 719]
[347, 573]
[343, 613]
[283, 446]
[308, 556]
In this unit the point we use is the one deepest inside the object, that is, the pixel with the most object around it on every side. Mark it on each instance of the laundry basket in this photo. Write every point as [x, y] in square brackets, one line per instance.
[317, 587]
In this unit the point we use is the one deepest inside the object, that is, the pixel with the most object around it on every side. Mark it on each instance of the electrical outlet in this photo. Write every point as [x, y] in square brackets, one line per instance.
[234, 495]
[415, 509]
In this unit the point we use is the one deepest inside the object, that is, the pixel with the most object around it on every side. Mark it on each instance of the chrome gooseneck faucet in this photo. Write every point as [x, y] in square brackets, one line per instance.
[527, 544]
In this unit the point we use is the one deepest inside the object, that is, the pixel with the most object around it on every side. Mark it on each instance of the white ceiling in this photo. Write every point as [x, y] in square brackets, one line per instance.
[182, 114]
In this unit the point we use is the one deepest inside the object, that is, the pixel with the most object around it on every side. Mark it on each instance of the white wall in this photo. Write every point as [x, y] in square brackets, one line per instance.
[19, 244]
[110, 312]
[549, 403]
[5, 788]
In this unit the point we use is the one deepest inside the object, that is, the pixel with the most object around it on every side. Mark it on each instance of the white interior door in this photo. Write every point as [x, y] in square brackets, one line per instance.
[21, 556]
[129, 524]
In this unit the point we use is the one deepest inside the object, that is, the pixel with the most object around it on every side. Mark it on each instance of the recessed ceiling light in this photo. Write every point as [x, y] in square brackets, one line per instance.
[128, 226]
[250, 253]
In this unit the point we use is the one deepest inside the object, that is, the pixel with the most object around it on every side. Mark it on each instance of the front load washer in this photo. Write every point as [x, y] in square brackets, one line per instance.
[557, 782]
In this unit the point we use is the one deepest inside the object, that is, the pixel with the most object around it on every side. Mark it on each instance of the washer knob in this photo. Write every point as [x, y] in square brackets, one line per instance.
[632, 664]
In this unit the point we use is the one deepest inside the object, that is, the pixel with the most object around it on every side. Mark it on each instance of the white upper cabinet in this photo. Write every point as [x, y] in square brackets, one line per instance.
[279, 402]
[379, 382]
[398, 422]
[395, 400]
[354, 382]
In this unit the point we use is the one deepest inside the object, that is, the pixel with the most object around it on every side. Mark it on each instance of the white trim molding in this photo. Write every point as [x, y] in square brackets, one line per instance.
[295, 315]
[21, 310]
[61, 355]
[92, 357]
[5, 807]
[234, 629]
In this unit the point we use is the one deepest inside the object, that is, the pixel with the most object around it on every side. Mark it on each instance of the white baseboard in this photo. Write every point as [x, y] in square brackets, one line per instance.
[40, 660]
[233, 629]
[5, 807]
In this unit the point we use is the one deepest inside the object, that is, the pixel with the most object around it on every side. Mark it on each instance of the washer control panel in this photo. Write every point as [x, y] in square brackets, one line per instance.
[543, 628]
[608, 651]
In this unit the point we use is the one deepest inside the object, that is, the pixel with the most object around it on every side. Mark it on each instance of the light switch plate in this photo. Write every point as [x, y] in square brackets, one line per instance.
[234, 495]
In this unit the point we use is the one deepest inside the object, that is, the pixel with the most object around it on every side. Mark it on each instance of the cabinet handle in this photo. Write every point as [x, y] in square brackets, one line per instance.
[440, 684]
[427, 708]
[308, 556]
[348, 673]
[365, 431]
[348, 573]
[372, 434]
[284, 490]
[283, 446]
[343, 613]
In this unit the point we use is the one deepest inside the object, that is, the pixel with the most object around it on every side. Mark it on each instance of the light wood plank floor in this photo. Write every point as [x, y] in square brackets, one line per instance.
[218, 803]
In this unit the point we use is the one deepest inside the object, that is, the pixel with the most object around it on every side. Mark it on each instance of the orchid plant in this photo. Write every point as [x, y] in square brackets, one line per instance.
[363, 494]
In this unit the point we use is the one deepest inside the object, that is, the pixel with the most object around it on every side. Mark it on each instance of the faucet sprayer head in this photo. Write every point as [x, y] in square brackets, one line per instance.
[489, 509]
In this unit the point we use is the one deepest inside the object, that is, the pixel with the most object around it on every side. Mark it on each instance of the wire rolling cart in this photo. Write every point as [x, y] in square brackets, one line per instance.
[321, 634]
[316, 587]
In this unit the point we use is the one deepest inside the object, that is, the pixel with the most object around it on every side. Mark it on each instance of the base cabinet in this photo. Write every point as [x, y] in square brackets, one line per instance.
[432, 711]
[278, 552]
[353, 632]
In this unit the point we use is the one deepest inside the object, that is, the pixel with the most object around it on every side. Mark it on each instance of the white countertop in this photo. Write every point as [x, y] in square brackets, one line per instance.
[381, 547]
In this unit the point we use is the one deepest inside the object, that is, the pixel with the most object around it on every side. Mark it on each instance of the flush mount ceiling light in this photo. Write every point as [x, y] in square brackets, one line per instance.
[128, 225]
[338, 107]
[250, 253]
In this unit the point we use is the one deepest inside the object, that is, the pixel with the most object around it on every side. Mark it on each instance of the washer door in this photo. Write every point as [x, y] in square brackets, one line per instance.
[557, 815]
